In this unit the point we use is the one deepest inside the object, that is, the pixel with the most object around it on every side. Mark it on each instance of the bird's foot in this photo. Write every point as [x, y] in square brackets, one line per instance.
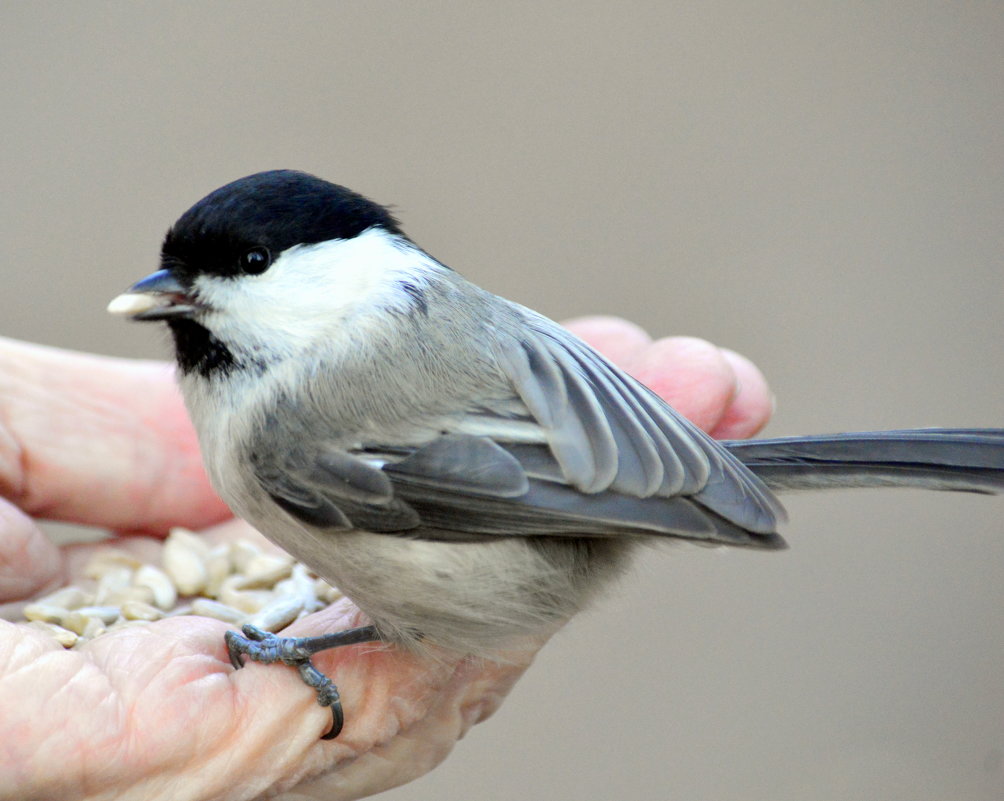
[265, 647]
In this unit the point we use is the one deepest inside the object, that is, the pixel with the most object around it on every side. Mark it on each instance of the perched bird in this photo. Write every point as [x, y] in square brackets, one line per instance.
[464, 469]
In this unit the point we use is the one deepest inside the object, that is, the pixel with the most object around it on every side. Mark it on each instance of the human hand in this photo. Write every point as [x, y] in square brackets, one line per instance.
[157, 711]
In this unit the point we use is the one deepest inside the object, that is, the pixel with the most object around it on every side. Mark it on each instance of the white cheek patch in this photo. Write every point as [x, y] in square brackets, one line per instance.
[310, 289]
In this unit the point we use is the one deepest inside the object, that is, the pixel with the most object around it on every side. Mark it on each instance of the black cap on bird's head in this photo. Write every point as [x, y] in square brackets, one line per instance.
[267, 212]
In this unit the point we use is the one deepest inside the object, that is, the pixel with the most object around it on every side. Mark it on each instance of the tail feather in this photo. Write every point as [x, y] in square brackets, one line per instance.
[962, 460]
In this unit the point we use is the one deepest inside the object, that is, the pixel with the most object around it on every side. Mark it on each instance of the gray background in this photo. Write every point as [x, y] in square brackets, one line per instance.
[820, 186]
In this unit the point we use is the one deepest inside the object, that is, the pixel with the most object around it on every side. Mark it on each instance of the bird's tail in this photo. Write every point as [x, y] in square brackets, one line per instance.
[963, 459]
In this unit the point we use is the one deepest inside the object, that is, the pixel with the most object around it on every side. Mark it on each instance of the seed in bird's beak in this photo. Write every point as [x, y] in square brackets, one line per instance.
[131, 303]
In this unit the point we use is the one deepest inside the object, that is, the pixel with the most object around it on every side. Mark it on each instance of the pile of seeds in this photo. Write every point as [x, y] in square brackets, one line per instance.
[234, 582]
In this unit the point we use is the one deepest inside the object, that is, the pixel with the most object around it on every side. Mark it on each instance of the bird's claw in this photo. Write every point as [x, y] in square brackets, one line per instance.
[265, 647]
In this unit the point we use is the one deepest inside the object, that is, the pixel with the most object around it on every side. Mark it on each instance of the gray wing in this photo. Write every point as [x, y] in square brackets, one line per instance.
[606, 458]
[329, 488]
[607, 432]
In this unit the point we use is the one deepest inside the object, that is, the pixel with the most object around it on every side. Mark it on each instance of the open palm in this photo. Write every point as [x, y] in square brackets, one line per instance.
[158, 711]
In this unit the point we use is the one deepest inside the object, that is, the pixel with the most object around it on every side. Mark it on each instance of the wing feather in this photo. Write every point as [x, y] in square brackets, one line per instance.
[643, 429]
[579, 449]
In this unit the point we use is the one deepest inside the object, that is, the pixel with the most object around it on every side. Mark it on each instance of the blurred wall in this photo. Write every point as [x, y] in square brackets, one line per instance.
[820, 186]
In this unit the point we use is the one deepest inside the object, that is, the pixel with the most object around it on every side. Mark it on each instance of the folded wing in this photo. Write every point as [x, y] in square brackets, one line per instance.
[581, 449]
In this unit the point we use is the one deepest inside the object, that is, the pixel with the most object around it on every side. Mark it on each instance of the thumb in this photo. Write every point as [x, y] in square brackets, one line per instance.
[99, 441]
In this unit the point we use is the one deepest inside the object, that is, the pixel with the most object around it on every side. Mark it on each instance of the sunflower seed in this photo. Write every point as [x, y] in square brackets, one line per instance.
[264, 571]
[325, 592]
[108, 559]
[106, 614]
[93, 628]
[218, 567]
[68, 598]
[190, 539]
[45, 613]
[137, 610]
[248, 601]
[278, 614]
[115, 579]
[205, 607]
[165, 594]
[241, 553]
[184, 564]
[64, 637]
[84, 625]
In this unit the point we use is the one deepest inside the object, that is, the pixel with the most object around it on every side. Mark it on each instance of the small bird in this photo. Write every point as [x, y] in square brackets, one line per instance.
[464, 469]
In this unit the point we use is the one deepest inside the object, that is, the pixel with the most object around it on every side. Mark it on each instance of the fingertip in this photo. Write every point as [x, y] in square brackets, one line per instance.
[29, 561]
[753, 405]
[692, 375]
[621, 341]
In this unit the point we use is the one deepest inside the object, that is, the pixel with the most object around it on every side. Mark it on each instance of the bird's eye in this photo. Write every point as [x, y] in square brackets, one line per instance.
[255, 261]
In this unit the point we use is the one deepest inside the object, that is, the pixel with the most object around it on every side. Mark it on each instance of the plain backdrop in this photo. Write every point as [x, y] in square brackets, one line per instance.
[818, 185]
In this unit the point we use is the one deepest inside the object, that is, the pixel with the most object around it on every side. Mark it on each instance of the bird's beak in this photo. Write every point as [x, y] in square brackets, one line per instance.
[159, 296]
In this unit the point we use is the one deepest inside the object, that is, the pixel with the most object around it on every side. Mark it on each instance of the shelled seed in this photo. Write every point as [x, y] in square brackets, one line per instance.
[278, 614]
[45, 613]
[165, 594]
[64, 637]
[185, 566]
[220, 611]
[137, 610]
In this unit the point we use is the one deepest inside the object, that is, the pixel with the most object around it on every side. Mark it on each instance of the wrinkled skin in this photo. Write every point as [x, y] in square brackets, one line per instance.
[157, 711]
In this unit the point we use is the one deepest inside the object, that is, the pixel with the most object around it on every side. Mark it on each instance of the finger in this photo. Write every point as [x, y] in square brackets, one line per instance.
[753, 404]
[620, 341]
[29, 562]
[99, 441]
[692, 375]
[431, 715]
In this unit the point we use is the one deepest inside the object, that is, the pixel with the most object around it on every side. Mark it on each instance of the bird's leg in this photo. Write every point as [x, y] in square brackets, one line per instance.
[262, 646]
